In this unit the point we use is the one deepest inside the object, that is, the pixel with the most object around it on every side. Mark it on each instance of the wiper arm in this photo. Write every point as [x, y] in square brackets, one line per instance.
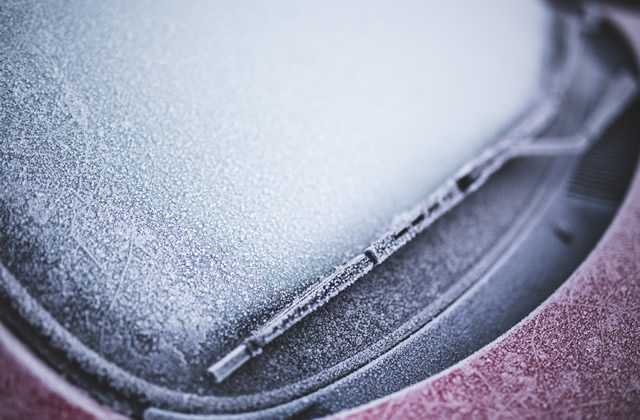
[472, 176]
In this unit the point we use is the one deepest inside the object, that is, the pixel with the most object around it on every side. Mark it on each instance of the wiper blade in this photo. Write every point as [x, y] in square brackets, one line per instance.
[522, 142]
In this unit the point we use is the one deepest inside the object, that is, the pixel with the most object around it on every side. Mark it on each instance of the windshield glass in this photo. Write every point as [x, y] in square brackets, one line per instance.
[219, 158]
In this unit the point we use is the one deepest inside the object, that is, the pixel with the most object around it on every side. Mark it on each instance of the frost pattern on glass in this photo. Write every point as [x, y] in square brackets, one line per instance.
[186, 172]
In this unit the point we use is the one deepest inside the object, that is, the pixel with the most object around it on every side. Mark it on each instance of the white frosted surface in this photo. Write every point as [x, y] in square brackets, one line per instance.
[256, 145]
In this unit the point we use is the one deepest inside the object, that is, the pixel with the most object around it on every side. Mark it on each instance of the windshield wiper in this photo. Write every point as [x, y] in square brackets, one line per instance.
[522, 141]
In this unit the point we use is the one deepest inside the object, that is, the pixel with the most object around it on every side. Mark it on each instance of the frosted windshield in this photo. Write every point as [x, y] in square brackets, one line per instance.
[253, 146]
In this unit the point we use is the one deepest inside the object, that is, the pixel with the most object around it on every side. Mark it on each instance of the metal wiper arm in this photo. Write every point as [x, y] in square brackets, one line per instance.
[471, 177]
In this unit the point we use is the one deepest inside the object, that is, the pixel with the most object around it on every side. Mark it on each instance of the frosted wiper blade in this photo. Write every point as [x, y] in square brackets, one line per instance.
[620, 91]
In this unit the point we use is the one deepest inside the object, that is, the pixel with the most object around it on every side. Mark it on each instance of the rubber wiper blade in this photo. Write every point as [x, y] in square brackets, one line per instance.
[523, 141]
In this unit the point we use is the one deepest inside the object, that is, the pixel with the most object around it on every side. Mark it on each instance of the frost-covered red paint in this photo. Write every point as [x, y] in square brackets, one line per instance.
[31, 390]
